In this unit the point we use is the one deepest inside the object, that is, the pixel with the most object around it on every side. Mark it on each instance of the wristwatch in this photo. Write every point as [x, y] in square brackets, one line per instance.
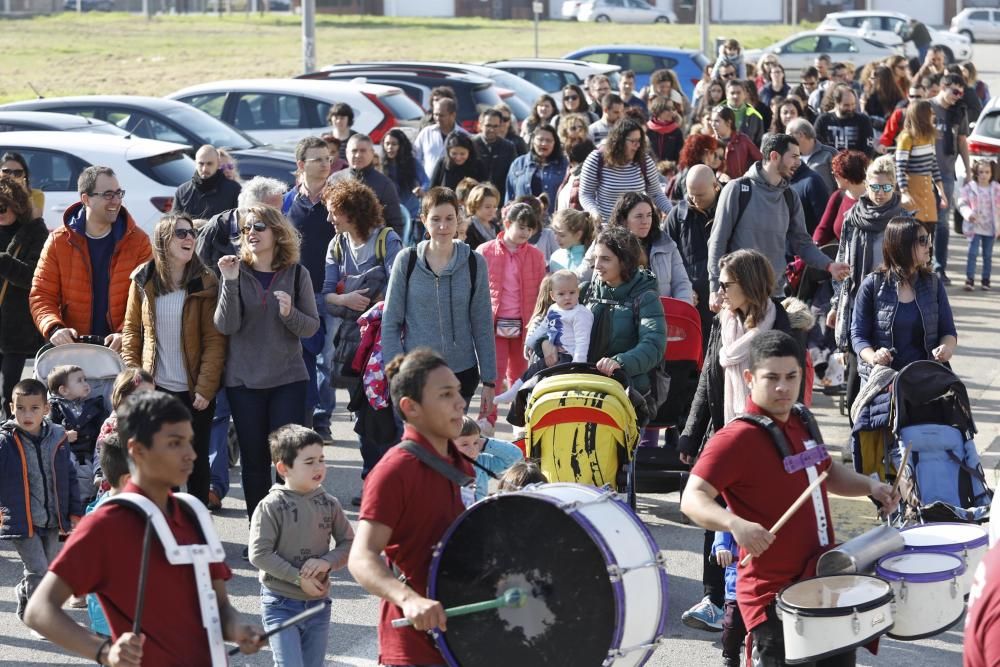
[491, 385]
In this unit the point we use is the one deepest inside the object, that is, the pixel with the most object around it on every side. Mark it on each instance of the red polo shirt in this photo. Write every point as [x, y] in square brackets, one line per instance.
[982, 624]
[419, 505]
[102, 556]
[743, 463]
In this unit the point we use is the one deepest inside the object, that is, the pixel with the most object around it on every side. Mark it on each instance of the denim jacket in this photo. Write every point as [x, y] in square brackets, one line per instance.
[521, 178]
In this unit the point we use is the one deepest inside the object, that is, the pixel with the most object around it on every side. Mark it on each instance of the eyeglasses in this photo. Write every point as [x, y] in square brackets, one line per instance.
[257, 227]
[727, 75]
[880, 187]
[319, 160]
[633, 142]
[4, 208]
[725, 286]
[571, 97]
[504, 119]
[185, 233]
[228, 165]
[16, 173]
[924, 239]
[108, 195]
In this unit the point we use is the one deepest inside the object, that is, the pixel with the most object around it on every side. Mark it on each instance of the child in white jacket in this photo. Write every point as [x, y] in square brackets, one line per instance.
[979, 203]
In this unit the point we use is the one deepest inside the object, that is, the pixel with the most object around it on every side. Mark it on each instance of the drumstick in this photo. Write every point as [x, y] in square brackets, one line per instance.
[899, 475]
[512, 597]
[147, 540]
[294, 620]
[791, 510]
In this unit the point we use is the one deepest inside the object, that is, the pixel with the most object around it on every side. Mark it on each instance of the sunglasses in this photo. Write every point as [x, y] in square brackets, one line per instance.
[184, 233]
[924, 239]
[725, 286]
[257, 227]
[957, 92]
[883, 187]
[571, 97]
[16, 173]
[505, 119]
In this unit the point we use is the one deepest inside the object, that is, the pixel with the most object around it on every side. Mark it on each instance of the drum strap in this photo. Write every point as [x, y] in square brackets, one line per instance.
[449, 472]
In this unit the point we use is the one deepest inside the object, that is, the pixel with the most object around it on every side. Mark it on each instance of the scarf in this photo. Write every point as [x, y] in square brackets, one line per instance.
[656, 126]
[734, 357]
[206, 184]
[864, 225]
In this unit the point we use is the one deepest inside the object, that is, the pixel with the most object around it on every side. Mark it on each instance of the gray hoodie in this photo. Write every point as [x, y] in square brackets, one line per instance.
[289, 528]
[765, 227]
[435, 311]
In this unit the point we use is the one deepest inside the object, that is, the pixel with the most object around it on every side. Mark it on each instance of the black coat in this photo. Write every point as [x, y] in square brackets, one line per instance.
[18, 334]
[496, 158]
[385, 191]
[205, 198]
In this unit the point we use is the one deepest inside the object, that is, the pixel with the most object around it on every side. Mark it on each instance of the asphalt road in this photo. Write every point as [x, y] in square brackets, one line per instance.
[352, 639]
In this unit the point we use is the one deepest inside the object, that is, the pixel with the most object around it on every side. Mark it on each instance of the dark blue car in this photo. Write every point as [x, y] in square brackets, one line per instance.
[687, 64]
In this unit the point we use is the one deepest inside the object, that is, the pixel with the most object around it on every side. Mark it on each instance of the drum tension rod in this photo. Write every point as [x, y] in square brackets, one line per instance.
[617, 571]
[622, 652]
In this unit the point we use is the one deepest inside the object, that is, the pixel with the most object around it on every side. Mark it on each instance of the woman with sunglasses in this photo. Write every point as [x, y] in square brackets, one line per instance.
[229, 167]
[15, 166]
[861, 240]
[266, 306]
[169, 332]
[22, 235]
[902, 313]
[573, 102]
[746, 282]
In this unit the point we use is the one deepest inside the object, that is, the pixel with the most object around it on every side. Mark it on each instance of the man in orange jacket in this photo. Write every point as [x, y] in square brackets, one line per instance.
[81, 282]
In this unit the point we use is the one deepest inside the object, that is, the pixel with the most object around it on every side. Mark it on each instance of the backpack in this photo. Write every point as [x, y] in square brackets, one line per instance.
[380, 246]
[411, 263]
[780, 442]
[746, 191]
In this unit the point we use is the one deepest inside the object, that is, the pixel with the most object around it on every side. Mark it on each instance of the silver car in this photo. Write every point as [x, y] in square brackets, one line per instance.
[800, 50]
[978, 24]
[623, 11]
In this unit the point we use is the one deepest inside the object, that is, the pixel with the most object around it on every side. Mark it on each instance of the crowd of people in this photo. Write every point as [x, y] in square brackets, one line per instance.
[422, 273]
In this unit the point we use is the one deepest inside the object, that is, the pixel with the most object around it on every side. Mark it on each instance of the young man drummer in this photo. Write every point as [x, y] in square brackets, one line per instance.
[104, 552]
[742, 462]
[407, 506]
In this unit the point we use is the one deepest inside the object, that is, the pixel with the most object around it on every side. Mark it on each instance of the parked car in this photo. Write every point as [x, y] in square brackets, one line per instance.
[623, 11]
[984, 140]
[474, 93]
[687, 64]
[800, 50]
[90, 5]
[20, 121]
[889, 28]
[149, 171]
[553, 74]
[169, 120]
[283, 111]
[570, 8]
[979, 24]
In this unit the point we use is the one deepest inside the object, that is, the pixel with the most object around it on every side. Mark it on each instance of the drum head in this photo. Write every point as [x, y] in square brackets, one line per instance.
[516, 540]
[921, 566]
[823, 596]
[946, 536]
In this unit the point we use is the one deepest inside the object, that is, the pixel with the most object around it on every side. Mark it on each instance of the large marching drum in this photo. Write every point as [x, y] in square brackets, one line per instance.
[593, 578]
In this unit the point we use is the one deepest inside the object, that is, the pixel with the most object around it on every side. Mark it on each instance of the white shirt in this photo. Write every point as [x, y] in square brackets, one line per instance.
[570, 328]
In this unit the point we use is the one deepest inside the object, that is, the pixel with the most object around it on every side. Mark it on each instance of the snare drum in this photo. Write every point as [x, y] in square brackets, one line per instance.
[927, 589]
[595, 577]
[967, 540]
[824, 616]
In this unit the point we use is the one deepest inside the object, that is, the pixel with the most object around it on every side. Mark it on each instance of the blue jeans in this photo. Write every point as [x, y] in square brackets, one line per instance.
[324, 378]
[943, 230]
[970, 265]
[302, 645]
[257, 412]
[218, 448]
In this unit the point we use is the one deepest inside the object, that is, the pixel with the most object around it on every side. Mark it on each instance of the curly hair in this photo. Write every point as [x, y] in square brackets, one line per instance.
[850, 166]
[625, 246]
[286, 237]
[615, 143]
[358, 202]
[624, 206]
[694, 149]
[14, 195]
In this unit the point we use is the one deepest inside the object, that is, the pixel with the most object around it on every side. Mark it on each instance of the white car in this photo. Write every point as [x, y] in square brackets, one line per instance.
[148, 170]
[283, 111]
[800, 50]
[979, 24]
[553, 74]
[984, 141]
[886, 27]
[570, 9]
[623, 11]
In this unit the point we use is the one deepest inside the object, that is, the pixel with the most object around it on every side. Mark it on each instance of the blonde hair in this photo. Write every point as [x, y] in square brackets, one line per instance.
[884, 165]
[478, 195]
[543, 301]
[574, 221]
[224, 156]
[286, 237]
[918, 122]
[755, 276]
[163, 234]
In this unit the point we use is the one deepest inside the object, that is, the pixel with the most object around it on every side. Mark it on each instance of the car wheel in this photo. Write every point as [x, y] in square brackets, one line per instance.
[968, 33]
[603, 18]
[661, 19]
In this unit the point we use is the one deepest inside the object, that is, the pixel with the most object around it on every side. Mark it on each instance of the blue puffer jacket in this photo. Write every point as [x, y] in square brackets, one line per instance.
[528, 177]
[726, 541]
[16, 480]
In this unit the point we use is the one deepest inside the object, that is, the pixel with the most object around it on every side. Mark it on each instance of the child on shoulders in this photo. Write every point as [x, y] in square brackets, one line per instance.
[489, 456]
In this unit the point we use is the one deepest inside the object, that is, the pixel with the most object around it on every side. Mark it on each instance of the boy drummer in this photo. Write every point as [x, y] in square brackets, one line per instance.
[742, 462]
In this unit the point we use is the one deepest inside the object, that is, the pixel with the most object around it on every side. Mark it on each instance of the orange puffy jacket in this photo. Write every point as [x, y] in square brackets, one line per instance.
[60, 290]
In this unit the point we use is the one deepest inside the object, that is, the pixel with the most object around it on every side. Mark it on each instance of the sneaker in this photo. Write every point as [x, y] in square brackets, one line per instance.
[985, 286]
[326, 435]
[969, 284]
[37, 635]
[214, 501]
[245, 554]
[78, 602]
[703, 616]
[944, 278]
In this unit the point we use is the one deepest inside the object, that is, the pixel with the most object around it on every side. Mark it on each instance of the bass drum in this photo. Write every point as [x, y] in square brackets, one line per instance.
[595, 579]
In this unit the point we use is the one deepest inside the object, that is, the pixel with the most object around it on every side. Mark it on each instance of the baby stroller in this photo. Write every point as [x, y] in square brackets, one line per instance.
[943, 478]
[580, 425]
[100, 364]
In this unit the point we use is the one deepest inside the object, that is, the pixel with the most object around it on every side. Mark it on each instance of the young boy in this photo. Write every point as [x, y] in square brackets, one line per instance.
[490, 457]
[34, 452]
[733, 630]
[290, 543]
[114, 463]
[103, 556]
[81, 415]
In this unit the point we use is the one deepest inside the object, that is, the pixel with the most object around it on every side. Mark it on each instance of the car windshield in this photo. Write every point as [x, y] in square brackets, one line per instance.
[527, 91]
[209, 130]
[169, 169]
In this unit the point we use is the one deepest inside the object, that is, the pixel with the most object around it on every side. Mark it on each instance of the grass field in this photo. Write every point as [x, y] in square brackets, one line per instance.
[67, 54]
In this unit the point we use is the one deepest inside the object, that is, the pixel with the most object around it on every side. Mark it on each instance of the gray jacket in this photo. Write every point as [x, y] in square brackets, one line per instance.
[289, 528]
[765, 226]
[435, 311]
[819, 161]
[667, 265]
[264, 348]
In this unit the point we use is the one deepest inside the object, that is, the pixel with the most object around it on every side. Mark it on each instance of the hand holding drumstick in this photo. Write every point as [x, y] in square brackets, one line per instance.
[759, 543]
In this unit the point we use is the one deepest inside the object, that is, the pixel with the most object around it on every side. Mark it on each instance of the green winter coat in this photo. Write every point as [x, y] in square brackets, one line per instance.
[635, 340]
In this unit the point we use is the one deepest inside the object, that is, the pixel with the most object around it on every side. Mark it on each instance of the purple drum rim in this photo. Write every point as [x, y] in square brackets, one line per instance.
[980, 541]
[441, 639]
[920, 578]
